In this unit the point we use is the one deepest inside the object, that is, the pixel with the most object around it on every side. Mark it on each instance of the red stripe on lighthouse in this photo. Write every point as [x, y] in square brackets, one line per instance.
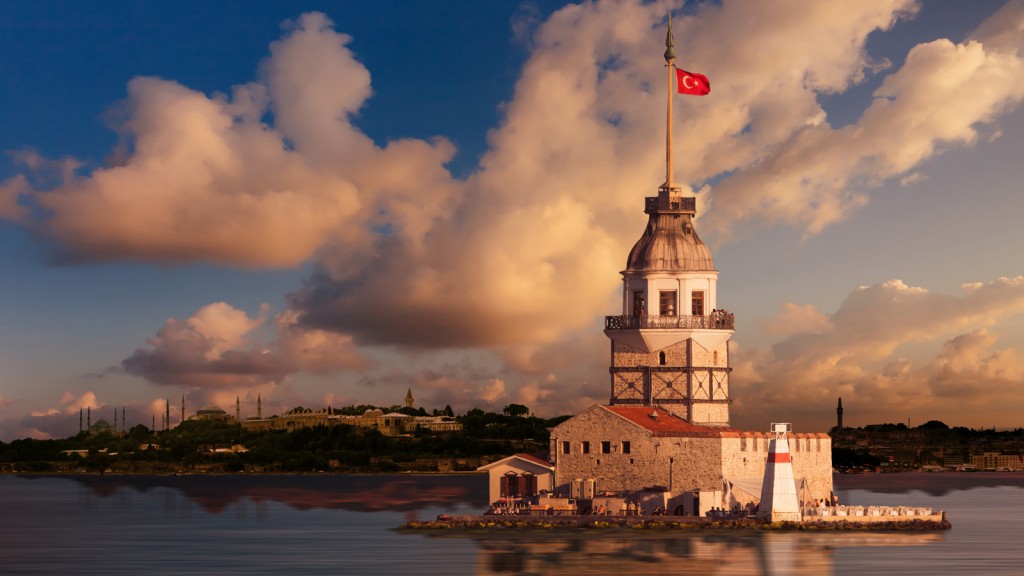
[779, 458]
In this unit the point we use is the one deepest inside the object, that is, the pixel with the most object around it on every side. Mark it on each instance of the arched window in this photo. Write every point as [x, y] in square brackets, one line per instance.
[661, 358]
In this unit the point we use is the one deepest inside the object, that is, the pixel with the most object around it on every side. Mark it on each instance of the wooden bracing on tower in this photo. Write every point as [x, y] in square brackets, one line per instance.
[668, 384]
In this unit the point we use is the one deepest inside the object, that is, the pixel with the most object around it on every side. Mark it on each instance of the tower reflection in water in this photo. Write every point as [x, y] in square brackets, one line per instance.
[781, 554]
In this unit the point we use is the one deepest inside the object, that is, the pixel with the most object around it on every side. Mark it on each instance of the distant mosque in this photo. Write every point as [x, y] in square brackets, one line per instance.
[101, 426]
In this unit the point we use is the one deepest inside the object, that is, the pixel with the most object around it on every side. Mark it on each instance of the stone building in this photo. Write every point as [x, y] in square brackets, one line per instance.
[666, 425]
[518, 476]
[629, 448]
[212, 413]
[390, 424]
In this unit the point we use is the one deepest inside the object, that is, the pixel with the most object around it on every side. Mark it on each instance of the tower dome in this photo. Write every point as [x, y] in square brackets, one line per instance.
[670, 243]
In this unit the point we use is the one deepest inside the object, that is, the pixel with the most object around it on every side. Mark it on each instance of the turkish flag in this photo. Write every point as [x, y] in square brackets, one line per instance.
[692, 83]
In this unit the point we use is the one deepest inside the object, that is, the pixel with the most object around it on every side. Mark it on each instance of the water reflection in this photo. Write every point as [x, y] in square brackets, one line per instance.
[410, 494]
[780, 554]
[215, 494]
[933, 483]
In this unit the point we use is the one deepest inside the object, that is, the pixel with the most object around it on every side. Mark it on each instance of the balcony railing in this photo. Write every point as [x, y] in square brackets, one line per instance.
[717, 320]
[684, 203]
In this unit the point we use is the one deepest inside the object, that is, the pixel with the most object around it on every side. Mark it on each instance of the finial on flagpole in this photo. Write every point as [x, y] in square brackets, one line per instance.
[670, 56]
[670, 53]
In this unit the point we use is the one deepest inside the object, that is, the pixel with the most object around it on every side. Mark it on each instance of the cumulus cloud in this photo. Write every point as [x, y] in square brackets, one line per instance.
[201, 178]
[794, 319]
[217, 347]
[582, 119]
[276, 174]
[58, 420]
[813, 175]
[68, 404]
[857, 356]
[11, 192]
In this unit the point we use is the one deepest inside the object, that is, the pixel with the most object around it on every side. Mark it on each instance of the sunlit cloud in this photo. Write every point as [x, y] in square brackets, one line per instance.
[217, 347]
[857, 356]
[518, 259]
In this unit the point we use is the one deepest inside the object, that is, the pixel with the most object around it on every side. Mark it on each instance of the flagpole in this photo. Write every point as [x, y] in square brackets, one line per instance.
[670, 56]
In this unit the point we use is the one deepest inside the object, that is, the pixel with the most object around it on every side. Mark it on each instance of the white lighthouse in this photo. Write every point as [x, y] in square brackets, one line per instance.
[778, 490]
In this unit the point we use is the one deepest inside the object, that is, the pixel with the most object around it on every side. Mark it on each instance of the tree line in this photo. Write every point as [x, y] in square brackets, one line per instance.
[206, 445]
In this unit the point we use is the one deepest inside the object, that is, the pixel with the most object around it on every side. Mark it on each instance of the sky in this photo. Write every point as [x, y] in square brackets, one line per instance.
[328, 203]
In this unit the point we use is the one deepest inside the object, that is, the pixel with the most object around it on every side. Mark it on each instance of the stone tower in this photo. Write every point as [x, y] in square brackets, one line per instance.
[409, 400]
[839, 414]
[670, 345]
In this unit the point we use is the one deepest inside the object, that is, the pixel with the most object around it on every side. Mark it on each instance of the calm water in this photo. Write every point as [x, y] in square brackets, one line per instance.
[343, 525]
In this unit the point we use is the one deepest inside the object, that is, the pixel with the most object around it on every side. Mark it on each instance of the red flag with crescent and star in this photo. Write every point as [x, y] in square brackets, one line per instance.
[692, 83]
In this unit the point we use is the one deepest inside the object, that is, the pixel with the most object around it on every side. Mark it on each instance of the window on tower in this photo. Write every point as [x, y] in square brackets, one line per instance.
[638, 303]
[667, 303]
[606, 447]
[565, 447]
[585, 447]
[697, 302]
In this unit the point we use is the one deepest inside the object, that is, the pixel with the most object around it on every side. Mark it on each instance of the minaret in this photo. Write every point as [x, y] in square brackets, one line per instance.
[115, 420]
[182, 408]
[80, 413]
[153, 427]
[88, 421]
[238, 410]
[663, 353]
[259, 407]
[839, 414]
[167, 417]
[124, 422]
[778, 489]
[409, 400]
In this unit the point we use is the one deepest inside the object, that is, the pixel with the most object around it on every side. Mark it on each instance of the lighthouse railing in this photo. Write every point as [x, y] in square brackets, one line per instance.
[717, 320]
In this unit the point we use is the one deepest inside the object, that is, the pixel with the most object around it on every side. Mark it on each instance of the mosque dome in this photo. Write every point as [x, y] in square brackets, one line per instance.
[670, 243]
[211, 410]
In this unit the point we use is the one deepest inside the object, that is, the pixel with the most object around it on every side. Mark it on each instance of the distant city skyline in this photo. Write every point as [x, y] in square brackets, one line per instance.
[330, 204]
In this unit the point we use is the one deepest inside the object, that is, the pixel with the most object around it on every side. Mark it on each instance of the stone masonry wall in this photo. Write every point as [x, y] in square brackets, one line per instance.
[624, 355]
[745, 456]
[682, 464]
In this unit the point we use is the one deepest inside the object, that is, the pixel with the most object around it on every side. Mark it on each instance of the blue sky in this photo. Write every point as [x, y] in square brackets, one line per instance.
[440, 196]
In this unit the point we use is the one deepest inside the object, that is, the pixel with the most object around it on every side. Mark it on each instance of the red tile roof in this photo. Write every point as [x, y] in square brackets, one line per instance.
[534, 459]
[527, 457]
[665, 424]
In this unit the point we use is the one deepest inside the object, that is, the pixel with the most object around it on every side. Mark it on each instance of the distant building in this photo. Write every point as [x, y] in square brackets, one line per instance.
[997, 461]
[519, 476]
[390, 424]
[101, 426]
[212, 413]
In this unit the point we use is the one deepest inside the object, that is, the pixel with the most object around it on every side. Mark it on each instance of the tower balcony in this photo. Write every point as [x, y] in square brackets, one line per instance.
[717, 320]
[666, 203]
